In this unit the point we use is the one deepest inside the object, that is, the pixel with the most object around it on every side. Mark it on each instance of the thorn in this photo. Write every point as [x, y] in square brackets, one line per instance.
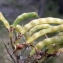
[46, 36]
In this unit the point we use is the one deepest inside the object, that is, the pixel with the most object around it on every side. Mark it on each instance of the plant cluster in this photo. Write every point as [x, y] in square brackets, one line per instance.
[23, 38]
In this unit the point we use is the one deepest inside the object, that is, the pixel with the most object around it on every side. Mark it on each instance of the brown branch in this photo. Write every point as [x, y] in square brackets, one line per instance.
[9, 53]
[9, 60]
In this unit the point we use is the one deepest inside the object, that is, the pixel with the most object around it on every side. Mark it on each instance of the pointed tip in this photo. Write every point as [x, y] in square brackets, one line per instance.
[0, 13]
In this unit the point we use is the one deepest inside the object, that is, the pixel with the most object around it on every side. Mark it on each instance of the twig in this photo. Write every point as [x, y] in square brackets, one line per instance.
[23, 52]
[9, 60]
[9, 53]
[15, 35]
[11, 43]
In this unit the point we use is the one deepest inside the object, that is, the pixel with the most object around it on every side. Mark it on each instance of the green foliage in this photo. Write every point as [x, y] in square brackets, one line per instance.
[30, 32]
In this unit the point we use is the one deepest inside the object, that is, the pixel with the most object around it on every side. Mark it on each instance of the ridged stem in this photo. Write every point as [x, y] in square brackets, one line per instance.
[48, 20]
[25, 16]
[47, 42]
[18, 28]
[44, 31]
[5, 22]
[38, 27]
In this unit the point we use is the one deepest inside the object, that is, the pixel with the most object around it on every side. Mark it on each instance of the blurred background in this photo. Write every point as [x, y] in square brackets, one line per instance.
[12, 8]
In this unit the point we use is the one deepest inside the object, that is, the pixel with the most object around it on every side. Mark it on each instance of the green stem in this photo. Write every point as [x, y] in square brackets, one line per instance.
[38, 27]
[5, 22]
[48, 20]
[18, 28]
[47, 42]
[24, 16]
[44, 31]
